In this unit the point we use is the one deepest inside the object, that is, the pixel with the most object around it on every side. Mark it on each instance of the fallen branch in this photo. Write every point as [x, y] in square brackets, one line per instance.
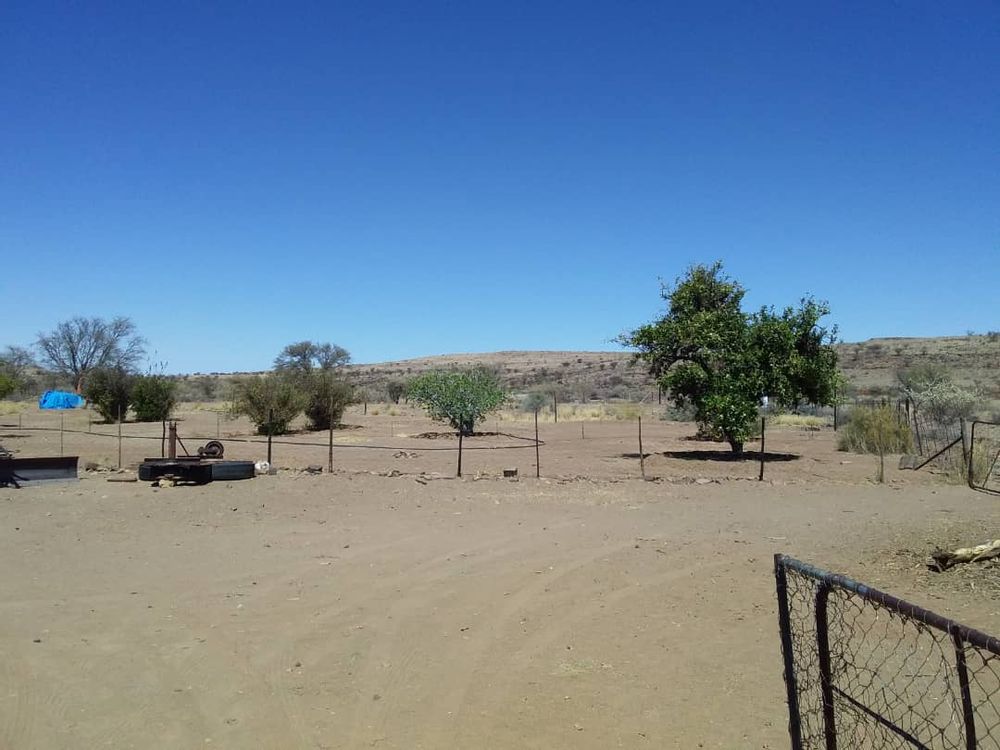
[941, 560]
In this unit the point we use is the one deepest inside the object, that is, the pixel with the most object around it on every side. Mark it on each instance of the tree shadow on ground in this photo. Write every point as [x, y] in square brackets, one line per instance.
[725, 455]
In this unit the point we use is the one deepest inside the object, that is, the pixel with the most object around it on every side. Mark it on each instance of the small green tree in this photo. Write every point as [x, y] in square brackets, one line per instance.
[16, 364]
[153, 398]
[709, 354]
[459, 398]
[328, 396]
[109, 390]
[270, 401]
[7, 385]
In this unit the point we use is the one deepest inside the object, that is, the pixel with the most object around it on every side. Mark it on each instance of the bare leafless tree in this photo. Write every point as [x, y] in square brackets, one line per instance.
[75, 347]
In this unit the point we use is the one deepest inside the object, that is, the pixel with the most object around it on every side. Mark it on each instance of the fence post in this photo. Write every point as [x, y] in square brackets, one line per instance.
[163, 437]
[788, 653]
[61, 419]
[642, 456]
[555, 410]
[583, 435]
[972, 446]
[270, 430]
[119, 436]
[460, 431]
[836, 423]
[538, 467]
[968, 711]
[329, 461]
[760, 477]
[218, 425]
[825, 668]
[966, 446]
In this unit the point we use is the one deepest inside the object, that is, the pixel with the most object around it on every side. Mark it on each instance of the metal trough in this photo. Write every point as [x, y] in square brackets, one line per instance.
[15, 472]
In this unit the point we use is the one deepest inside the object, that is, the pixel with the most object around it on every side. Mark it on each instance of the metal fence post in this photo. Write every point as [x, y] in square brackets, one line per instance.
[538, 466]
[825, 670]
[760, 477]
[460, 431]
[968, 712]
[642, 456]
[788, 653]
[270, 430]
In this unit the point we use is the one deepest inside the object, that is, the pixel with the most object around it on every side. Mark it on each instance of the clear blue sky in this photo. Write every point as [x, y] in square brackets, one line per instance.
[412, 178]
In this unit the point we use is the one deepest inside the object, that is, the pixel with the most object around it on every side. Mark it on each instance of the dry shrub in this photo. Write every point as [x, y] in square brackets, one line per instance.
[877, 430]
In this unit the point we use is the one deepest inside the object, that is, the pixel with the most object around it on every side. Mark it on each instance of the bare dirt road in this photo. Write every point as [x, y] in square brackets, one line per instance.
[357, 611]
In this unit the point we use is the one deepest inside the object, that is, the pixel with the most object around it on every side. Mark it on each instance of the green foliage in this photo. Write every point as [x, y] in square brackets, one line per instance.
[270, 401]
[459, 398]
[709, 354]
[327, 398]
[395, 389]
[878, 430]
[303, 357]
[16, 365]
[153, 398]
[109, 390]
[7, 385]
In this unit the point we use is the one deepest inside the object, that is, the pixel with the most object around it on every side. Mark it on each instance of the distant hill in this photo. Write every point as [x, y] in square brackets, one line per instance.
[870, 367]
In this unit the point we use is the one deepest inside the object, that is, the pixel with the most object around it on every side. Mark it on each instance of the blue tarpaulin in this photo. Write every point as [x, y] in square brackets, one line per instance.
[60, 400]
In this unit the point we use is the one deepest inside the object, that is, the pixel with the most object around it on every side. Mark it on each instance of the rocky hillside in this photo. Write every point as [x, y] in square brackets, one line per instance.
[870, 367]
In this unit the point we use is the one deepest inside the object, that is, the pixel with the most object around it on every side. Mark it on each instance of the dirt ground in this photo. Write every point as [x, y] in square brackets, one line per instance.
[389, 605]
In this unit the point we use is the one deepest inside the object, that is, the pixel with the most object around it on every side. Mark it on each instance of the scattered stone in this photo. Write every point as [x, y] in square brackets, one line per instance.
[510, 473]
[123, 478]
[314, 469]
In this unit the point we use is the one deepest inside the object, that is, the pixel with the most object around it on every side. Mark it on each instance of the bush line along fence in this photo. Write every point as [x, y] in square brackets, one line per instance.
[864, 669]
[523, 442]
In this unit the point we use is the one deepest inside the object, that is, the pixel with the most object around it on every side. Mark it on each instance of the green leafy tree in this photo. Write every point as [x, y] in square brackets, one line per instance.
[302, 357]
[7, 385]
[153, 398]
[711, 355]
[270, 401]
[109, 390]
[312, 369]
[16, 364]
[328, 396]
[459, 398]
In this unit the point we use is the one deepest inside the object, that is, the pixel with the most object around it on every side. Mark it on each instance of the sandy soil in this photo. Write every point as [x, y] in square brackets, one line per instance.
[358, 610]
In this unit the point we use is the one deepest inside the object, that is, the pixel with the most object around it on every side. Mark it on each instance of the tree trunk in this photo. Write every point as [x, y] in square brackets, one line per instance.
[736, 445]
[466, 428]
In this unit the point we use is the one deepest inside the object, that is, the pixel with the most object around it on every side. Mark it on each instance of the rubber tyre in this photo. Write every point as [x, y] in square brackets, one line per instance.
[229, 470]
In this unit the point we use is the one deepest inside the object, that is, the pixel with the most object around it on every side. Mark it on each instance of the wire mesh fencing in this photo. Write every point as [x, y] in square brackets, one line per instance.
[984, 458]
[864, 669]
